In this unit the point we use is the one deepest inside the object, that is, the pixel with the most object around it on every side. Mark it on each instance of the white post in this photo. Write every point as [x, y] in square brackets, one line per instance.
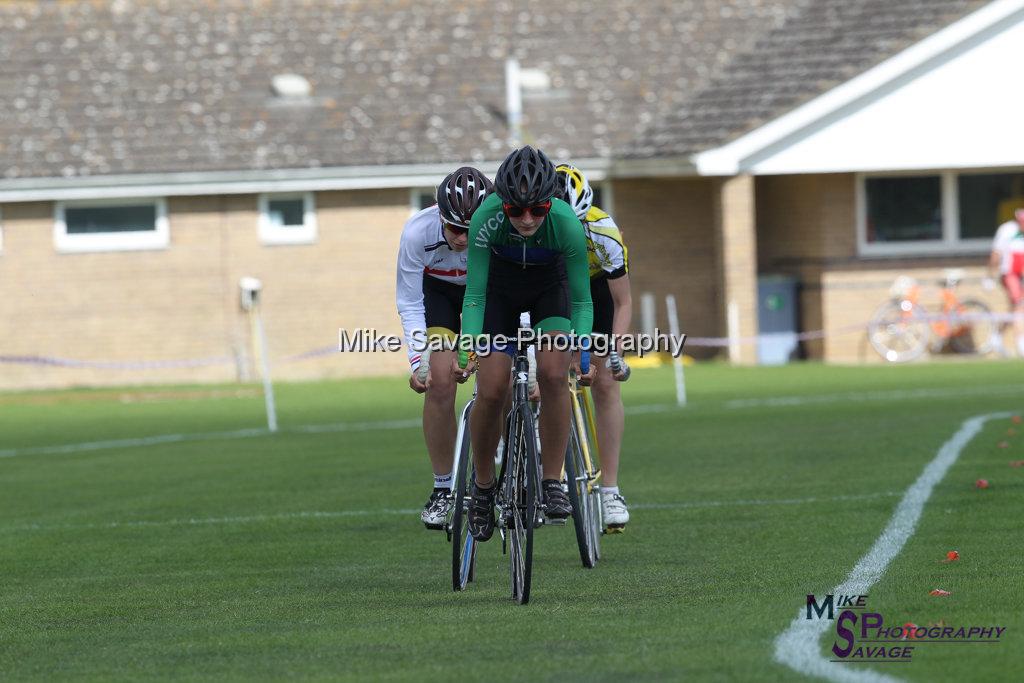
[514, 102]
[647, 314]
[673, 328]
[733, 330]
[261, 351]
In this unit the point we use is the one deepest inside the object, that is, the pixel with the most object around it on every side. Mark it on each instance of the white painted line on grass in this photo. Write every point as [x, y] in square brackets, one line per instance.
[767, 501]
[340, 514]
[204, 521]
[894, 395]
[798, 647]
[142, 442]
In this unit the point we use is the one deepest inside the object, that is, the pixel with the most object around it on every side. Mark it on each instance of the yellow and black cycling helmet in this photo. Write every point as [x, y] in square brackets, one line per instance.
[575, 189]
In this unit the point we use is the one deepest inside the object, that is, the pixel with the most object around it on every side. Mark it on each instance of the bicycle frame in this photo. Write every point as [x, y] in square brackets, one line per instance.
[586, 426]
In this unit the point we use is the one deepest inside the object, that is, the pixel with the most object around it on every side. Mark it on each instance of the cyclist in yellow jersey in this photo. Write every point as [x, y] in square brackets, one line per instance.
[613, 310]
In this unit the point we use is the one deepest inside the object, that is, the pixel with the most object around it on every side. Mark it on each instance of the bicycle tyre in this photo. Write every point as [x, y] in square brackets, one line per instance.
[576, 474]
[979, 336]
[896, 338]
[464, 546]
[597, 514]
[520, 490]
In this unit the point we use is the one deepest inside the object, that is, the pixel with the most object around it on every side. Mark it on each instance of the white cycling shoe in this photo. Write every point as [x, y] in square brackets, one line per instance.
[435, 512]
[614, 512]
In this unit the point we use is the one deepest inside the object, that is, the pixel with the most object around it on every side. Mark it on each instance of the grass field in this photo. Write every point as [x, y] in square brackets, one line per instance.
[221, 552]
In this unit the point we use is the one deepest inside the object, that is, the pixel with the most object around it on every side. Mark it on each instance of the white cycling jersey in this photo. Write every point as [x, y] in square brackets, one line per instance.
[423, 250]
[1009, 244]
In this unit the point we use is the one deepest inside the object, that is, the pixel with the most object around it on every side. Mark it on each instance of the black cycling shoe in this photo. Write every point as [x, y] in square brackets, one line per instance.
[556, 503]
[480, 518]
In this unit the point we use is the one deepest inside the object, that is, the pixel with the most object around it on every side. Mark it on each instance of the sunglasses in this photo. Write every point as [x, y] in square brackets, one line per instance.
[537, 211]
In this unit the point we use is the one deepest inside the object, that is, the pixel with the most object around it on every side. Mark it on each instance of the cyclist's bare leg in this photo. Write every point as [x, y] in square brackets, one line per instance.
[439, 427]
[610, 418]
[485, 422]
[552, 371]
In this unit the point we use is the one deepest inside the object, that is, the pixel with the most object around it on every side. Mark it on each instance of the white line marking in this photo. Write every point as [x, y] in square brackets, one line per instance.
[193, 521]
[798, 647]
[285, 516]
[777, 501]
[894, 395]
[142, 442]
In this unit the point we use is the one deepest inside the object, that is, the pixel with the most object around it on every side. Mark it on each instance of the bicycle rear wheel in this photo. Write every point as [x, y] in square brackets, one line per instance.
[898, 331]
[973, 329]
[579, 496]
[463, 544]
[520, 504]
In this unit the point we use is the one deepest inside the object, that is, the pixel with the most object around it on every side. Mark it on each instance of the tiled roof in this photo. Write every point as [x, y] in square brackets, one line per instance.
[825, 44]
[137, 86]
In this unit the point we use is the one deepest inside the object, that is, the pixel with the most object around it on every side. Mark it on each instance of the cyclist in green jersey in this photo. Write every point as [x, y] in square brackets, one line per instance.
[527, 252]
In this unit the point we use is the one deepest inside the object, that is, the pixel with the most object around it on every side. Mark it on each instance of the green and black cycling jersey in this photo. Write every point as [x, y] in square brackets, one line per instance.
[560, 243]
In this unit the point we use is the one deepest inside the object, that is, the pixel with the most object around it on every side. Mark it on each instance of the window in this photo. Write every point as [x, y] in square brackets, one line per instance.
[988, 200]
[287, 218]
[904, 209]
[932, 213]
[422, 197]
[111, 225]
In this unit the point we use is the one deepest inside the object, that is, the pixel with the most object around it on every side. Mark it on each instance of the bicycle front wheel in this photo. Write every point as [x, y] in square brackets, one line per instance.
[520, 504]
[899, 331]
[463, 544]
[579, 496]
[972, 328]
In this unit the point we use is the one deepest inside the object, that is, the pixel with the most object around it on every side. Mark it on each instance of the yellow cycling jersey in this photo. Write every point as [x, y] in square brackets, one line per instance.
[606, 252]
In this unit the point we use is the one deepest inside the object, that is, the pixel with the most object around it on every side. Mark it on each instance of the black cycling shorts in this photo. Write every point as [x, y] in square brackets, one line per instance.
[442, 304]
[604, 307]
[541, 290]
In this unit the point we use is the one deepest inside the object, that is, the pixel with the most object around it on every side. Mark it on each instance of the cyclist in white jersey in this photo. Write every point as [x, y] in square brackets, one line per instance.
[1008, 259]
[613, 310]
[430, 288]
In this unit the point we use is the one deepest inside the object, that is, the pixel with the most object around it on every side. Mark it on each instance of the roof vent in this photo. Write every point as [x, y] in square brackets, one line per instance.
[291, 86]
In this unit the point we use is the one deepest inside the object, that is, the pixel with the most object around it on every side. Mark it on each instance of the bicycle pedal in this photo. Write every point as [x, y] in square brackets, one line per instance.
[617, 529]
[550, 521]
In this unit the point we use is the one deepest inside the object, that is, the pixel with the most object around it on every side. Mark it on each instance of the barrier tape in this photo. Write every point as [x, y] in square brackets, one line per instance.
[116, 365]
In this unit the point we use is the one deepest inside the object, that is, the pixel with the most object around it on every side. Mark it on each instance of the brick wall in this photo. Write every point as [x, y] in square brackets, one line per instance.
[736, 260]
[182, 302]
[668, 225]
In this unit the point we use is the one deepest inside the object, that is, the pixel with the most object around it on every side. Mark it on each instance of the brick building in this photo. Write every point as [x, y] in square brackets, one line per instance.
[154, 153]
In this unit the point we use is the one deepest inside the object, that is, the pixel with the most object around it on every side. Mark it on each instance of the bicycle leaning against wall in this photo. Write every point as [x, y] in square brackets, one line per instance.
[904, 327]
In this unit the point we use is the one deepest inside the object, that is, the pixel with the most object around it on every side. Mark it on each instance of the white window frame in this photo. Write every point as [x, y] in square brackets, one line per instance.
[276, 235]
[949, 205]
[414, 198]
[607, 198]
[143, 240]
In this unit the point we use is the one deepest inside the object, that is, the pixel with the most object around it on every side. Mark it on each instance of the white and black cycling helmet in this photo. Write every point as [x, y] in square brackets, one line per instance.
[461, 193]
[575, 189]
[526, 178]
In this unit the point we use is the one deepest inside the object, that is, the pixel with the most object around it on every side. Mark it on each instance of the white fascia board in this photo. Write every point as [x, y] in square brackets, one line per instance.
[227, 182]
[249, 182]
[728, 159]
[657, 167]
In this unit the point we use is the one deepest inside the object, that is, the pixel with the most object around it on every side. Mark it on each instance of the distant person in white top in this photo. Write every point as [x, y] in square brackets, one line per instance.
[431, 285]
[1008, 258]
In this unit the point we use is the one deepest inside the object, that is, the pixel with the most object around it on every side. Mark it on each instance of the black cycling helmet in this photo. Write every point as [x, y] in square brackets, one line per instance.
[526, 177]
[461, 193]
